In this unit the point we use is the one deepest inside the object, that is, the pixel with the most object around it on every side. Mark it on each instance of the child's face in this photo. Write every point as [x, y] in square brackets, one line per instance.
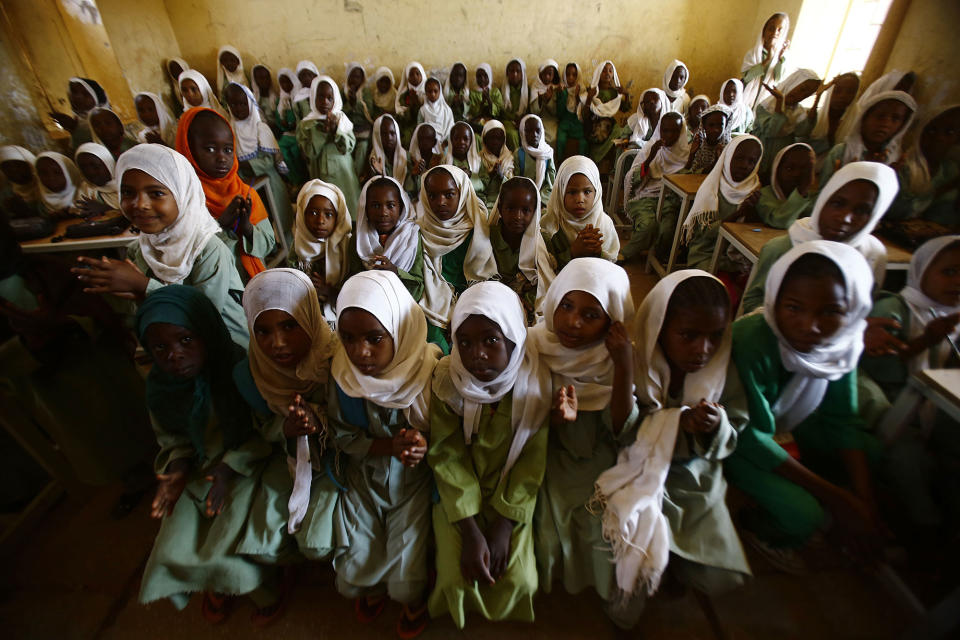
[306, 77]
[286, 84]
[320, 216]
[237, 102]
[80, 99]
[324, 102]
[744, 160]
[882, 121]
[483, 348]
[570, 75]
[606, 76]
[532, 133]
[800, 92]
[580, 320]
[494, 141]
[368, 344]
[458, 76]
[384, 84]
[432, 90]
[772, 31]
[940, 135]
[384, 208]
[178, 351]
[229, 61]
[810, 310]
[795, 170]
[147, 111]
[356, 78]
[281, 338]
[941, 280]
[174, 69]
[546, 76]
[388, 136]
[651, 106]
[690, 336]
[460, 139]
[17, 171]
[211, 143]
[713, 124]
[844, 91]
[517, 207]
[482, 78]
[696, 108]
[51, 175]
[729, 94]
[443, 194]
[108, 127]
[414, 77]
[426, 141]
[191, 93]
[670, 130]
[93, 169]
[147, 203]
[678, 79]
[262, 77]
[579, 196]
[514, 73]
[847, 210]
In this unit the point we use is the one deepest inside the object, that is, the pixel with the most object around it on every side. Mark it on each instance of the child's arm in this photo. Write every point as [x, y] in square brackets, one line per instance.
[935, 332]
[407, 445]
[121, 278]
[588, 243]
[622, 400]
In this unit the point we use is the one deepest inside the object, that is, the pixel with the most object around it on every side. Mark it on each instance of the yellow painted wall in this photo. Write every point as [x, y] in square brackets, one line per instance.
[926, 44]
[20, 120]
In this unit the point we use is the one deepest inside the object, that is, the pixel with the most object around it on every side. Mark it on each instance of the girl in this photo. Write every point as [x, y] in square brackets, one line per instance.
[196, 92]
[257, 150]
[574, 224]
[847, 210]
[543, 98]
[158, 123]
[534, 158]
[326, 138]
[84, 94]
[569, 124]
[928, 176]
[584, 344]
[456, 244]
[790, 193]
[730, 191]
[486, 101]
[290, 365]
[358, 106]
[488, 424]
[161, 195]
[435, 109]
[665, 154]
[174, 67]
[797, 361]
[425, 153]
[765, 62]
[496, 160]
[462, 152]
[710, 139]
[388, 157]
[516, 100]
[307, 72]
[286, 122]
[378, 409]
[456, 92]
[664, 500]
[674, 80]
[384, 92]
[99, 192]
[833, 107]
[410, 97]
[20, 196]
[895, 80]
[780, 118]
[58, 179]
[603, 101]
[695, 109]
[107, 129]
[731, 95]
[523, 263]
[654, 103]
[205, 139]
[229, 68]
[210, 459]
[876, 133]
[321, 241]
[264, 93]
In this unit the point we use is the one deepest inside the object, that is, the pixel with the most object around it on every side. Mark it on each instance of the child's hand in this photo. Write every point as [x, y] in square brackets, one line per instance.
[591, 94]
[783, 49]
[376, 164]
[324, 290]
[589, 242]
[332, 122]
[777, 96]
[66, 121]
[420, 167]
[244, 226]
[748, 207]
[228, 219]
[106, 275]
[220, 478]
[90, 208]
[409, 447]
[474, 554]
[301, 419]
[382, 263]
[548, 93]
[169, 487]
[498, 541]
[153, 137]
[564, 407]
[618, 345]
[702, 418]
[877, 339]
[939, 328]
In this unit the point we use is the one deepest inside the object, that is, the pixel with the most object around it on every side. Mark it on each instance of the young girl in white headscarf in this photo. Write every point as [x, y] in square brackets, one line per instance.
[379, 410]
[21, 193]
[426, 151]
[456, 91]
[516, 99]
[464, 152]
[196, 92]
[384, 92]
[574, 224]
[358, 106]
[486, 101]
[488, 442]
[158, 123]
[569, 124]
[58, 180]
[99, 191]
[781, 120]
[675, 78]
[604, 99]
[790, 194]
[264, 91]
[534, 157]
[585, 344]
[731, 95]
[229, 68]
[835, 106]
[435, 109]
[107, 128]
[496, 160]
[306, 72]
[544, 91]
[654, 103]
[387, 155]
[665, 498]
[765, 62]
[410, 97]
[800, 381]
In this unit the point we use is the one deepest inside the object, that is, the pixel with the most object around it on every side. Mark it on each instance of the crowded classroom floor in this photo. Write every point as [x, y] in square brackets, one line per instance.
[515, 350]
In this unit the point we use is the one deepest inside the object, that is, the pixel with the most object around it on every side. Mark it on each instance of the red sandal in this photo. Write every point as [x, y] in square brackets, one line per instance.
[412, 622]
[216, 607]
[368, 611]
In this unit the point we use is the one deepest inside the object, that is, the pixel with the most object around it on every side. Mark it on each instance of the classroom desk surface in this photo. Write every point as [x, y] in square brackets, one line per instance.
[44, 245]
[687, 183]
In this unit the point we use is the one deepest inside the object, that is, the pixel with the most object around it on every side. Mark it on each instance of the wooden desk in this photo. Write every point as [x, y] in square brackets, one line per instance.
[44, 245]
[684, 185]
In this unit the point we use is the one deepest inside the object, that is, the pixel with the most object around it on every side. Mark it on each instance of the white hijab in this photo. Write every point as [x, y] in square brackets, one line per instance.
[401, 247]
[344, 125]
[440, 237]
[557, 217]
[405, 86]
[632, 491]
[54, 201]
[473, 152]
[225, 77]
[667, 161]
[437, 113]
[285, 103]
[855, 147]
[676, 98]
[335, 248]
[170, 253]
[253, 134]
[524, 100]
[210, 100]
[774, 180]
[399, 159]
[414, 152]
[255, 88]
[640, 123]
[883, 84]
[542, 153]
[505, 159]
[108, 193]
[797, 113]
[838, 355]
[166, 124]
[589, 369]
[98, 110]
[742, 117]
[28, 192]
[176, 79]
[538, 87]
[807, 229]
[754, 56]
[303, 93]
[385, 101]
[572, 105]
[406, 381]
[822, 128]
[97, 101]
[923, 309]
[706, 204]
[603, 109]
[449, 92]
[489, 71]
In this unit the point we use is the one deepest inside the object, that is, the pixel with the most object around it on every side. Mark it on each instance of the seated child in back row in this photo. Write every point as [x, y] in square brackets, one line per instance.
[496, 160]
[456, 93]
[107, 129]
[84, 94]
[463, 153]
[307, 72]
[159, 125]
[569, 125]
[98, 193]
[286, 121]
[20, 196]
[534, 157]
[486, 101]
[387, 155]
[410, 97]
[196, 92]
[790, 193]
[516, 100]
[424, 154]
[599, 106]
[435, 109]
[780, 118]
[358, 106]
[58, 179]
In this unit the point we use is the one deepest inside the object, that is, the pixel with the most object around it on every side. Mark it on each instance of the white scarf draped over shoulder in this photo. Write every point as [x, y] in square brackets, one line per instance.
[855, 146]
[166, 126]
[603, 109]
[668, 160]
[253, 134]
[344, 125]
[54, 201]
[775, 182]
[405, 86]
[524, 100]
[438, 112]
[542, 153]
[676, 98]
[538, 87]
[742, 114]
[640, 124]
[473, 150]
[302, 92]
[923, 309]
[558, 218]
[414, 154]
[886, 82]
[170, 253]
[399, 159]
[632, 491]
[488, 159]
[754, 56]
[401, 247]
[109, 192]
[406, 382]
[210, 100]
[224, 76]
[386, 100]
[334, 249]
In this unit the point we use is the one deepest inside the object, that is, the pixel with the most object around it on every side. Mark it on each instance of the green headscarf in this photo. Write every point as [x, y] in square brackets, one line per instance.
[183, 405]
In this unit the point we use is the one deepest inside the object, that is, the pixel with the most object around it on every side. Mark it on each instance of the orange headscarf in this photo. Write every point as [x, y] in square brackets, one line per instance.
[220, 192]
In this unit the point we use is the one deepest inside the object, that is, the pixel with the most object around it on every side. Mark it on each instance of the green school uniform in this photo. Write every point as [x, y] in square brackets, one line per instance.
[704, 241]
[259, 246]
[491, 182]
[263, 164]
[568, 126]
[559, 247]
[643, 213]
[932, 205]
[451, 269]
[408, 120]
[412, 280]
[768, 126]
[480, 112]
[461, 110]
[383, 517]
[511, 117]
[470, 482]
[508, 269]
[780, 214]
[329, 158]
[547, 110]
[474, 177]
[759, 70]
[360, 112]
[524, 165]
[286, 123]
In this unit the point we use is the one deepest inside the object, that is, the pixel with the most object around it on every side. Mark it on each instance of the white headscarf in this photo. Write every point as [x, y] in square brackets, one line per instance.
[285, 103]
[706, 204]
[542, 153]
[405, 86]
[414, 152]
[807, 229]
[406, 381]
[557, 217]
[166, 125]
[28, 192]
[488, 70]
[253, 134]
[291, 291]
[524, 375]
[255, 88]
[210, 100]
[919, 178]
[640, 123]
[437, 113]
[589, 369]
[855, 147]
[839, 354]
[108, 193]
[98, 101]
[335, 248]
[923, 309]
[473, 151]
[538, 87]
[632, 491]
[742, 117]
[401, 247]
[225, 77]
[754, 56]
[676, 98]
[506, 156]
[440, 237]
[96, 111]
[521, 107]
[572, 105]
[54, 201]
[170, 253]
[176, 79]
[348, 69]
[399, 158]
[822, 128]
[448, 90]
[385, 101]
[344, 125]
[774, 181]
[303, 93]
[603, 109]
[797, 113]
[668, 160]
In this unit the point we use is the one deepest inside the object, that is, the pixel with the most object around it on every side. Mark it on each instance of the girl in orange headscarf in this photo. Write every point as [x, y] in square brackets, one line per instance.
[205, 138]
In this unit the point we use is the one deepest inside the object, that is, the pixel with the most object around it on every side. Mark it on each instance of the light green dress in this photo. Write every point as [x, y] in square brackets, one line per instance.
[510, 118]
[780, 214]
[479, 114]
[769, 128]
[704, 241]
[262, 164]
[259, 246]
[474, 178]
[492, 182]
[330, 158]
[524, 165]
[508, 270]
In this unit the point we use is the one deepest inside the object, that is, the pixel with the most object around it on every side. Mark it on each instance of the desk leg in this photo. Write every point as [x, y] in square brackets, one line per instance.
[681, 218]
[651, 254]
[753, 272]
[897, 416]
[715, 258]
